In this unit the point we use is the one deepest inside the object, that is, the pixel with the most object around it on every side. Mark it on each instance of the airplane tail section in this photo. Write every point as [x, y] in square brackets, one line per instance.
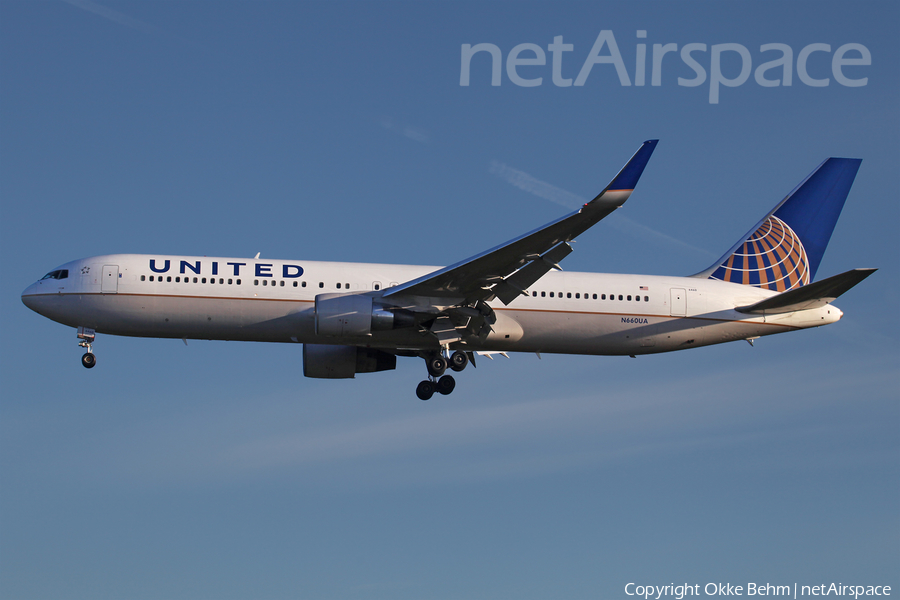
[783, 251]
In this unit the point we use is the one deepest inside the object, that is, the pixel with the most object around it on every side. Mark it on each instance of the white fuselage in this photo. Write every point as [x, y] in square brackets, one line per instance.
[274, 301]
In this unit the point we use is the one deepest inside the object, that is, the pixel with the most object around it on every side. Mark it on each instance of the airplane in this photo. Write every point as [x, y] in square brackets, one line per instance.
[355, 318]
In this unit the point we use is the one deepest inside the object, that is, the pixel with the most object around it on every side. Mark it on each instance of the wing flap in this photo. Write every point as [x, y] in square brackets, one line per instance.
[515, 285]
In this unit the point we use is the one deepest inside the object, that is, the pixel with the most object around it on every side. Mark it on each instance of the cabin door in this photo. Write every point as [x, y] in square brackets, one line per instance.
[678, 302]
[109, 284]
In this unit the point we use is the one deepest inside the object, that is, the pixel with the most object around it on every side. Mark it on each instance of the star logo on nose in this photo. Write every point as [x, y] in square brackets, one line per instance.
[85, 270]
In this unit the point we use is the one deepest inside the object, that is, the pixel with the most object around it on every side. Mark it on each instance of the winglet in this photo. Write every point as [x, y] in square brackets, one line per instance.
[619, 189]
[628, 177]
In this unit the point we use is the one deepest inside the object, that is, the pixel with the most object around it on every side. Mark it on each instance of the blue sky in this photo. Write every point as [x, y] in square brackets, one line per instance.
[340, 131]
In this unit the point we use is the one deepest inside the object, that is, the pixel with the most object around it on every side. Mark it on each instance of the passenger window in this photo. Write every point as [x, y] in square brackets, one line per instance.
[229, 281]
[620, 296]
[646, 298]
[256, 282]
[595, 296]
[551, 294]
[338, 286]
[295, 284]
[143, 277]
[376, 286]
[321, 284]
[303, 284]
[534, 294]
[238, 282]
[281, 284]
[629, 298]
[637, 298]
[543, 294]
[569, 295]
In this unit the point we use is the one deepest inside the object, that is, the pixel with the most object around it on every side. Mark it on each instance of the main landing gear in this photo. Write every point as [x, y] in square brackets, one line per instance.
[437, 381]
[86, 339]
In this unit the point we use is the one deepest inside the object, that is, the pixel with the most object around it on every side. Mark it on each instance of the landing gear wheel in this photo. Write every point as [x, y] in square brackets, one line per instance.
[425, 390]
[88, 360]
[445, 385]
[458, 360]
[436, 365]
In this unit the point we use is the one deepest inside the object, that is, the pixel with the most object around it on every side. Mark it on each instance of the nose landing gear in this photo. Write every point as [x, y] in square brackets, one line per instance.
[86, 337]
[437, 381]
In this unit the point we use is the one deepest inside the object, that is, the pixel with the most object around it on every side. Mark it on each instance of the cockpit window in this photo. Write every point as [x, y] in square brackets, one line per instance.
[59, 274]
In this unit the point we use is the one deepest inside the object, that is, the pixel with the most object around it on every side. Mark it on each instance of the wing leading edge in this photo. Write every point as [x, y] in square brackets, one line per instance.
[505, 271]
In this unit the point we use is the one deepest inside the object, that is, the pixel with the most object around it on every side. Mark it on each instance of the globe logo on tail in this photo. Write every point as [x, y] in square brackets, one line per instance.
[772, 258]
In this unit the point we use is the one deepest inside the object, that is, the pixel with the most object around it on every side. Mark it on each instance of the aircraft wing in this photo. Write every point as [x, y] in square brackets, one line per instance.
[506, 271]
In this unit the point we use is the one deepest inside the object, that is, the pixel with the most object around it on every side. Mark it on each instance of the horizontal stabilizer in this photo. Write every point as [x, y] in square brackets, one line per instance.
[809, 296]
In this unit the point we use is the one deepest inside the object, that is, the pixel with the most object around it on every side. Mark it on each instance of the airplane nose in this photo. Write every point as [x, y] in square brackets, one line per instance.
[28, 297]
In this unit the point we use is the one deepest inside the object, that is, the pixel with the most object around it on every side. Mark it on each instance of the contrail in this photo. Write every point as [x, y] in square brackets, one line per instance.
[541, 189]
[113, 15]
[413, 133]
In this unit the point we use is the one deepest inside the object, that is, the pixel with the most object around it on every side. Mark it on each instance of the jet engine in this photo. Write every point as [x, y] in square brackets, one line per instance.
[326, 361]
[355, 315]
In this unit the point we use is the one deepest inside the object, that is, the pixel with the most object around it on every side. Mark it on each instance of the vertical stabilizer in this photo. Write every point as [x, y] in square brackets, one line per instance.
[784, 249]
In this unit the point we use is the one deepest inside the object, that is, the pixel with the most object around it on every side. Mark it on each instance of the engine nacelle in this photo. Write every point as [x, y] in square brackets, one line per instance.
[326, 361]
[354, 315]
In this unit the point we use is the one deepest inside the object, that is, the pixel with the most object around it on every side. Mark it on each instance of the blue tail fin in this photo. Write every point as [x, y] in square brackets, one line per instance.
[784, 249]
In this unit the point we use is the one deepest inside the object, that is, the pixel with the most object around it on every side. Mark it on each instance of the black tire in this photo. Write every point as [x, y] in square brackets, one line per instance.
[88, 360]
[458, 361]
[436, 366]
[445, 385]
[425, 390]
